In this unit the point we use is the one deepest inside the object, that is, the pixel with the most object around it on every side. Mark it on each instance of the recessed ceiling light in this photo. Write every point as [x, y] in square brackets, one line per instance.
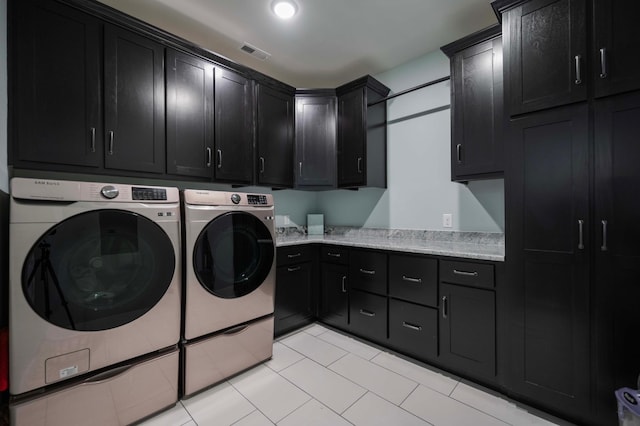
[284, 9]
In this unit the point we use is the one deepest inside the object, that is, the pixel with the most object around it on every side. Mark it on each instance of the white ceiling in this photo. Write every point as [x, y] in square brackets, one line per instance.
[329, 42]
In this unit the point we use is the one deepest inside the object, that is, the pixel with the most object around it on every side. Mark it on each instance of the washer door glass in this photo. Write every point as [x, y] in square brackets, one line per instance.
[233, 255]
[98, 270]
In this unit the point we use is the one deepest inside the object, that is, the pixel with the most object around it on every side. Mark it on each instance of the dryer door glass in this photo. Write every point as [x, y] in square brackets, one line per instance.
[233, 255]
[98, 270]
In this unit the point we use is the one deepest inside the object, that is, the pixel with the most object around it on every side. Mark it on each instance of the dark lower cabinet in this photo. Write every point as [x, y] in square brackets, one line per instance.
[413, 329]
[414, 279]
[334, 294]
[368, 315]
[134, 113]
[368, 271]
[293, 297]
[190, 95]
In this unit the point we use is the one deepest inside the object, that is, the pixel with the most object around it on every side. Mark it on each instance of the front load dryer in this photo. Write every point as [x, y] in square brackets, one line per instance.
[94, 278]
[229, 245]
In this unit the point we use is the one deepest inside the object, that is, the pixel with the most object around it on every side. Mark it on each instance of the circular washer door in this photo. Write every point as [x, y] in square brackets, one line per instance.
[98, 270]
[233, 255]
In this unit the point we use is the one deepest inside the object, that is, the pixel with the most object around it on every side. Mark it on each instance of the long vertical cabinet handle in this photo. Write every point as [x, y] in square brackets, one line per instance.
[359, 164]
[603, 63]
[261, 164]
[459, 153]
[208, 157]
[219, 158]
[111, 142]
[578, 59]
[93, 139]
[344, 283]
[581, 234]
[604, 236]
[300, 168]
[444, 307]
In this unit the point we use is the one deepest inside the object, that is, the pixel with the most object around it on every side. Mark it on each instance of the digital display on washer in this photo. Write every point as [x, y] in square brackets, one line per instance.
[139, 193]
[257, 199]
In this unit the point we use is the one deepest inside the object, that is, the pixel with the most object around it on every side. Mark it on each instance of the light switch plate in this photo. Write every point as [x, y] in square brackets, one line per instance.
[447, 220]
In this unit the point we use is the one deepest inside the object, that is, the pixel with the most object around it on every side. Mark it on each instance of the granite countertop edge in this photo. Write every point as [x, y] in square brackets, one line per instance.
[467, 250]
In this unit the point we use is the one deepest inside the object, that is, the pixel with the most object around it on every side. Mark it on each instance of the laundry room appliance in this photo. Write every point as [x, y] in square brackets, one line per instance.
[229, 245]
[94, 295]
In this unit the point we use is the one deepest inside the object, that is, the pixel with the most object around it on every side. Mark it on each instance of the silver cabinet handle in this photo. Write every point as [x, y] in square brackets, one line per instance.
[411, 326]
[344, 283]
[444, 307]
[459, 153]
[367, 313]
[93, 139]
[581, 234]
[111, 142]
[219, 158]
[465, 273]
[603, 63]
[261, 164]
[359, 164]
[295, 269]
[367, 271]
[208, 157]
[333, 254]
[578, 59]
[604, 236]
[300, 168]
[293, 256]
[412, 280]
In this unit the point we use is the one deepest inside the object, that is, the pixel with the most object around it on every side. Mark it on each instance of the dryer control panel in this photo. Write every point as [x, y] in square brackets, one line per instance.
[257, 200]
[140, 193]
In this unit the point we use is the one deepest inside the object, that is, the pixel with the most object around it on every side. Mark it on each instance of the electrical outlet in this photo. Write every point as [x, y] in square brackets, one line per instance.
[447, 220]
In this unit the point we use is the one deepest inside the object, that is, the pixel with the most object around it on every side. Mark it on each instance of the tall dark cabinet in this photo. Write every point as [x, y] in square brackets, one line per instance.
[190, 118]
[476, 105]
[334, 287]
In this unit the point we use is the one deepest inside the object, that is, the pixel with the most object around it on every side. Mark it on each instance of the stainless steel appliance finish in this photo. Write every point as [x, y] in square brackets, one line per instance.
[230, 283]
[94, 277]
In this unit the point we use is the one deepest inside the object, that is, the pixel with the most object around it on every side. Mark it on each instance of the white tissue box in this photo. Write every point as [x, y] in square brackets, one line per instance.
[315, 224]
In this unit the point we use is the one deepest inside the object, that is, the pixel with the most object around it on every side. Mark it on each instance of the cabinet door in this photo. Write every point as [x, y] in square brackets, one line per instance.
[189, 115]
[134, 102]
[368, 315]
[334, 302]
[468, 330]
[476, 144]
[351, 138]
[293, 297]
[616, 44]
[233, 124]
[315, 141]
[275, 138]
[545, 54]
[617, 126]
[56, 93]
[547, 203]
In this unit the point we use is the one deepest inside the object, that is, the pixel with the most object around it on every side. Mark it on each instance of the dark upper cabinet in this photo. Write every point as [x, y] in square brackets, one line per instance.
[274, 115]
[617, 253]
[476, 105]
[190, 96]
[545, 54]
[233, 156]
[55, 86]
[315, 143]
[134, 110]
[362, 135]
[615, 46]
[547, 251]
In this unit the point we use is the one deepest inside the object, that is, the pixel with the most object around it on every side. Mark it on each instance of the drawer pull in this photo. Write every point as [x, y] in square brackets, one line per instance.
[412, 280]
[296, 269]
[367, 313]
[293, 256]
[367, 271]
[465, 273]
[411, 326]
[333, 254]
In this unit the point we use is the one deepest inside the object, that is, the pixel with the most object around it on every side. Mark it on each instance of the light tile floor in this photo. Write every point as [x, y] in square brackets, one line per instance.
[319, 377]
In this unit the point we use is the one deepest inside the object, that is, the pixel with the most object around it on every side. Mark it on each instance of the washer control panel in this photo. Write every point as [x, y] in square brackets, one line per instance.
[257, 200]
[235, 198]
[109, 192]
[141, 193]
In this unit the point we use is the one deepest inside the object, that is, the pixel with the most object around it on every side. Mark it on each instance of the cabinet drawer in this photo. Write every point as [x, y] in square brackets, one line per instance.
[334, 254]
[368, 271]
[294, 254]
[368, 315]
[467, 273]
[413, 329]
[414, 279]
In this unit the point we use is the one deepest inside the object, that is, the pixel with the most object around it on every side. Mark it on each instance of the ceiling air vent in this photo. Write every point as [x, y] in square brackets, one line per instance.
[255, 52]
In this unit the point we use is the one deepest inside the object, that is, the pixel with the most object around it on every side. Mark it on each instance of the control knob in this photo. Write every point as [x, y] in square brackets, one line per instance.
[235, 198]
[110, 192]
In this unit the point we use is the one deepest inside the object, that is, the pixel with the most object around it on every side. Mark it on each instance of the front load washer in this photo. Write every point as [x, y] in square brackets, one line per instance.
[229, 286]
[94, 277]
